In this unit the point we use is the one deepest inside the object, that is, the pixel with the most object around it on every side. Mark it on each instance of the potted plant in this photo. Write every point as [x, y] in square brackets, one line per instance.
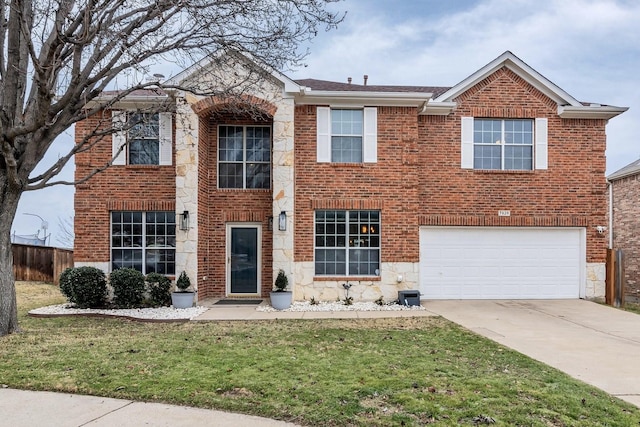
[280, 297]
[183, 297]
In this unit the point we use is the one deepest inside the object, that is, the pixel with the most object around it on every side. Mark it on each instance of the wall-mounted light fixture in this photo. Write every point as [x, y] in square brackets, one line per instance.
[282, 221]
[184, 220]
[270, 223]
[601, 229]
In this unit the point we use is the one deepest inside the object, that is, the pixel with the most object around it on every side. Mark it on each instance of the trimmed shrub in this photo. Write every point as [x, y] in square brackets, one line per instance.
[159, 288]
[128, 287]
[86, 287]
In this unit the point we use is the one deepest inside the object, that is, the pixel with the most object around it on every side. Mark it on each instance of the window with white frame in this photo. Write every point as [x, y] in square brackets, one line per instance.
[145, 241]
[347, 243]
[142, 138]
[244, 157]
[504, 144]
[347, 135]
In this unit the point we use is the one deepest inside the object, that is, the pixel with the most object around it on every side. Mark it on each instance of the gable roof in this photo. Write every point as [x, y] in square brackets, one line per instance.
[632, 168]
[568, 106]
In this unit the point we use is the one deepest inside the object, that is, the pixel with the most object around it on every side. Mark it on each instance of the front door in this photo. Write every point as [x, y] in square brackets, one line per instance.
[243, 260]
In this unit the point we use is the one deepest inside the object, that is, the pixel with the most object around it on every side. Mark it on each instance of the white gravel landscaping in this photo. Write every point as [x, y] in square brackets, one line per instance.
[340, 306]
[158, 313]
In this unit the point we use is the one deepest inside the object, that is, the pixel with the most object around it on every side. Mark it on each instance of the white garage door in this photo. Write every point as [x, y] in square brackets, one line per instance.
[501, 263]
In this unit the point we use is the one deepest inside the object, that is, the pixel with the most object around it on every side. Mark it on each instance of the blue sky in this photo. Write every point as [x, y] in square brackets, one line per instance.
[590, 48]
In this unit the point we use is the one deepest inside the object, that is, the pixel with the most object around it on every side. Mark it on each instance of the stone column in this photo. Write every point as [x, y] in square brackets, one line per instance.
[186, 144]
[283, 195]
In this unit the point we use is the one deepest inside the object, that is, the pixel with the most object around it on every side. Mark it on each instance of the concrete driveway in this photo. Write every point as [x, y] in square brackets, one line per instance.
[594, 343]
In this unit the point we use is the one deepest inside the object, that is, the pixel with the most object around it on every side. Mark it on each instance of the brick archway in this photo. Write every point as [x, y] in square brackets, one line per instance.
[242, 104]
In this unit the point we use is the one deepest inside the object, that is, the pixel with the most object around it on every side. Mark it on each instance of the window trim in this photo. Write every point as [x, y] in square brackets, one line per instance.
[244, 157]
[503, 143]
[347, 248]
[143, 248]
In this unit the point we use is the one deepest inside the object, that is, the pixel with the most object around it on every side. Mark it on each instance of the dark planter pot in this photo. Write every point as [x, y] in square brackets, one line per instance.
[182, 299]
[281, 300]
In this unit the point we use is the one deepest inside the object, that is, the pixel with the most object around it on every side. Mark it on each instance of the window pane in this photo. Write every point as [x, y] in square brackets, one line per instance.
[258, 144]
[230, 144]
[486, 157]
[518, 157]
[230, 175]
[258, 175]
[346, 149]
[487, 131]
[518, 132]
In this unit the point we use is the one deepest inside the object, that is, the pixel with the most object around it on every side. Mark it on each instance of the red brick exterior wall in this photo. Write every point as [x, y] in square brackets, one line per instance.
[418, 179]
[135, 188]
[388, 185]
[626, 230]
[571, 192]
[217, 207]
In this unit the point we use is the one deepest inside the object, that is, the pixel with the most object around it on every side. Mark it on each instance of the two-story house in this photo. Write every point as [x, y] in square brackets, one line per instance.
[493, 188]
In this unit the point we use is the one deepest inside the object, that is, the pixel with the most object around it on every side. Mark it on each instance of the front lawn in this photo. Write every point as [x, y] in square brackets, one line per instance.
[313, 372]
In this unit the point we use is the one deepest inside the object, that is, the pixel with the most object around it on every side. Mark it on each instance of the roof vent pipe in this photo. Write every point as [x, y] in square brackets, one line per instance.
[366, 77]
[349, 80]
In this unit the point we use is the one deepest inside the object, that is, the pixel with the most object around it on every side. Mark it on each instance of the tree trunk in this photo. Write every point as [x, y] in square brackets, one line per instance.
[9, 198]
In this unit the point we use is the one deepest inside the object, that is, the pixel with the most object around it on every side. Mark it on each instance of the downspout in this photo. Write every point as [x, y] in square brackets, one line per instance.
[610, 214]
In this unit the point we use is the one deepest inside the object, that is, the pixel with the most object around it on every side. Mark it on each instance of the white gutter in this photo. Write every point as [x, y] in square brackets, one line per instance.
[360, 98]
[594, 111]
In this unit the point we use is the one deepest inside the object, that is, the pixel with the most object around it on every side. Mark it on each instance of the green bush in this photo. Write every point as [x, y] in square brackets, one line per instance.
[66, 285]
[86, 287]
[159, 288]
[128, 287]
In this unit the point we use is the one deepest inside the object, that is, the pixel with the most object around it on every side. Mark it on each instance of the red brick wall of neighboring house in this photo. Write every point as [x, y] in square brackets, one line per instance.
[418, 179]
[135, 188]
[390, 185]
[626, 230]
[571, 192]
[218, 207]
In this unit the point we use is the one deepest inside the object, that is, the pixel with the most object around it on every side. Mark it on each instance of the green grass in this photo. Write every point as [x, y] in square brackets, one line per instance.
[376, 372]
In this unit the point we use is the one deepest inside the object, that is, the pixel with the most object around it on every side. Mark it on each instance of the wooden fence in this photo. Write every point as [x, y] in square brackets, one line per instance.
[614, 281]
[40, 263]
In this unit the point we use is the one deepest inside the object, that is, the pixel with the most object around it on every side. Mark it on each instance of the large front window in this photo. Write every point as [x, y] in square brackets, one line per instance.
[145, 241]
[347, 243]
[503, 144]
[346, 136]
[244, 157]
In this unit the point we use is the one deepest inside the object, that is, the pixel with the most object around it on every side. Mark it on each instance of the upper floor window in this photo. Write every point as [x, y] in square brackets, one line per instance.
[244, 157]
[143, 138]
[347, 135]
[504, 144]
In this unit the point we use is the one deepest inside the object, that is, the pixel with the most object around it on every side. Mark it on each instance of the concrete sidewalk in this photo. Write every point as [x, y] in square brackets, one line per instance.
[597, 344]
[19, 408]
